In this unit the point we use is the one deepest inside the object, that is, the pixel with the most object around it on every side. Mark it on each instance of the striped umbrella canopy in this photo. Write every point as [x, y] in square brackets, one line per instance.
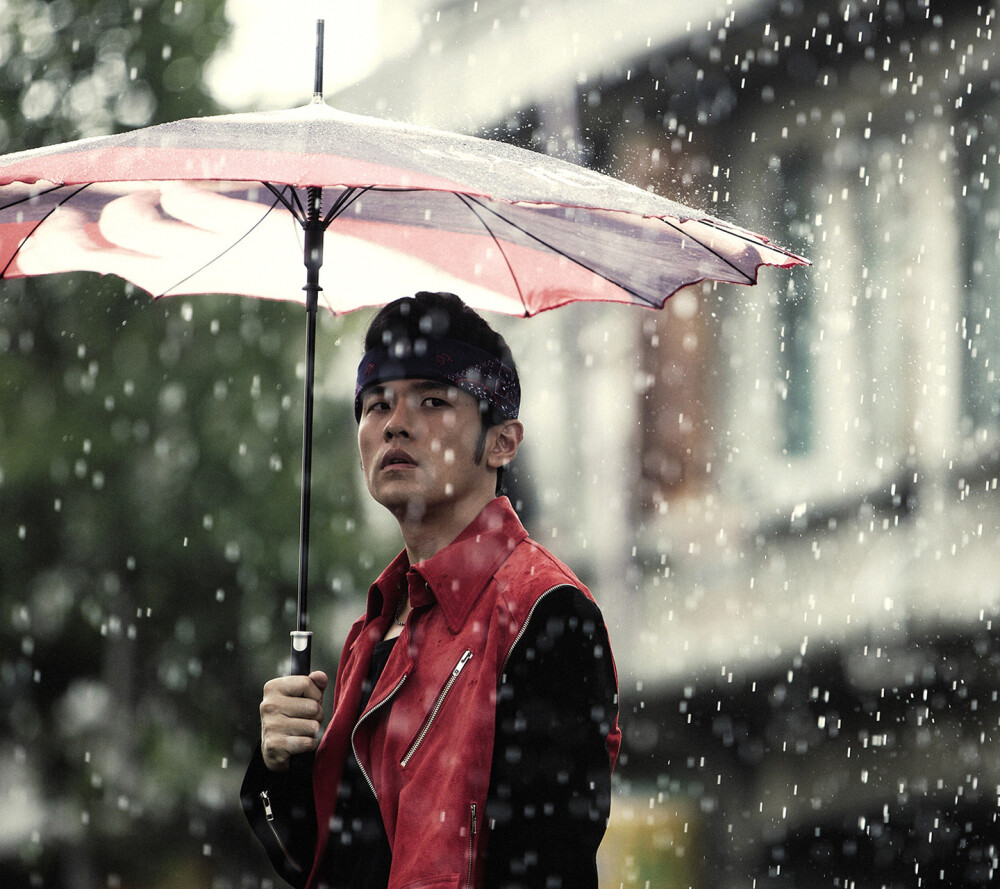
[219, 205]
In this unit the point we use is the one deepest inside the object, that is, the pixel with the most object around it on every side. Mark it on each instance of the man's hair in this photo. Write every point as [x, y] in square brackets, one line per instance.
[432, 315]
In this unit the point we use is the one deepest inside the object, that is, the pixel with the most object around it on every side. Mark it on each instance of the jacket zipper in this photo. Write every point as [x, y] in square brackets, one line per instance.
[462, 661]
[378, 706]
[265, 798]
[523, 630]
[472, 840]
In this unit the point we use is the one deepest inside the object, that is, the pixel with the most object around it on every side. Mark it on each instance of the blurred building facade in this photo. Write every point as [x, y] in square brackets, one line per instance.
[785, 496]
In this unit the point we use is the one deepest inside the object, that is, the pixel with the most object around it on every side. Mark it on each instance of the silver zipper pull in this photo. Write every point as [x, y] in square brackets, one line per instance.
[265, 798]
[461, 663]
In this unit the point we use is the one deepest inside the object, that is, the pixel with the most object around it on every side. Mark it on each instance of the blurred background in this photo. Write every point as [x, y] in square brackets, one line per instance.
[784, 497]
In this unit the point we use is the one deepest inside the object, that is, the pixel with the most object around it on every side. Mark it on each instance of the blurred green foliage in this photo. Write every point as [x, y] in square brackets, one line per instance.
[149, 498]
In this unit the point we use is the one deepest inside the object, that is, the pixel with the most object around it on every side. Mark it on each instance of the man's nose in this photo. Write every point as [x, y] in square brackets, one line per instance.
[400, 420]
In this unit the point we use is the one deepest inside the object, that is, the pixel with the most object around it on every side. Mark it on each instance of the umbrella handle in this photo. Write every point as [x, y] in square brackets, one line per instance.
[301, 652]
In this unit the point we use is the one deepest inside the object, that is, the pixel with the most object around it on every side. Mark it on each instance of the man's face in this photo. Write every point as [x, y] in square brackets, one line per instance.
[418, 442]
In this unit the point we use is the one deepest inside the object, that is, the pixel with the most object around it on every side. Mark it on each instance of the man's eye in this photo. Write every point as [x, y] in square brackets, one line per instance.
[434, 401]
[377, 406]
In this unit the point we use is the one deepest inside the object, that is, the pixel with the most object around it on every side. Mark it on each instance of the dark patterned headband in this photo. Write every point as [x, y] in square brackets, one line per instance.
[482, 375]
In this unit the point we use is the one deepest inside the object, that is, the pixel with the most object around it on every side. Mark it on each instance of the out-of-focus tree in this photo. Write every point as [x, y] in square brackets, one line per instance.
[149, 465]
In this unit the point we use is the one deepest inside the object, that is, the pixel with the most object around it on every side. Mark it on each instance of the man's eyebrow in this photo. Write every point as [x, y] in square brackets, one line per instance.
[379, 390]
[427, 385]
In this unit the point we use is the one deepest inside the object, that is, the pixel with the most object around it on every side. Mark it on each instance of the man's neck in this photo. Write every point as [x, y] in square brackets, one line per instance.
[426, 535]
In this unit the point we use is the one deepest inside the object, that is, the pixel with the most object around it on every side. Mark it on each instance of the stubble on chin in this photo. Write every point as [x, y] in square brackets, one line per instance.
[404, 509]
[414, 510]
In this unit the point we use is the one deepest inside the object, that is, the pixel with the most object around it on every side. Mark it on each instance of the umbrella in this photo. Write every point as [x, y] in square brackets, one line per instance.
[235, 203]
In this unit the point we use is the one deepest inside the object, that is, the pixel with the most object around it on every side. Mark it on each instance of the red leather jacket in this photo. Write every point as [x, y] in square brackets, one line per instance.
[429, 764]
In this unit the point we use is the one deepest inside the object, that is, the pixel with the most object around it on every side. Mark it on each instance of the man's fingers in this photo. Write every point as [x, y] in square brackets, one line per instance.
[297, 686]
[300, 744]
[277, 748]
[291, 715]
[280, 706]
[294, 700]
[274, 730]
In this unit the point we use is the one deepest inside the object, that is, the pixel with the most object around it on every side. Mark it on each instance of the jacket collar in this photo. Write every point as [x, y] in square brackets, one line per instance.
[456, 576]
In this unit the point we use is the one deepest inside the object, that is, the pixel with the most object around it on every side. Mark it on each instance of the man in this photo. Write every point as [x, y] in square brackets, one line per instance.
[475, 709]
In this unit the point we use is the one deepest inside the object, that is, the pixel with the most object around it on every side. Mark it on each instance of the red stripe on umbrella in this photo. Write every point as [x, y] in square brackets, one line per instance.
[126, 164]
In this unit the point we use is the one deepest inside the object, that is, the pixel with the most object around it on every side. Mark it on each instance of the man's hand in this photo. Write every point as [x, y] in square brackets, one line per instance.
[291, 713]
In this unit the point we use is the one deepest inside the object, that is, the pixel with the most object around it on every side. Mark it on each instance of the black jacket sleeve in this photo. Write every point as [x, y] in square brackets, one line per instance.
[280, 810]
[550, 785]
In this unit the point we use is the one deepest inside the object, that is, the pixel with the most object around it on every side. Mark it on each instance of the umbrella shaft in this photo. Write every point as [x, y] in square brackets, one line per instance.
[313, 259]
[307, 436]
[300, 637]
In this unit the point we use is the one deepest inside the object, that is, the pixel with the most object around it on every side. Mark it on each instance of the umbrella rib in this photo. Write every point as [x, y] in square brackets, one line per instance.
[296, 209]
[562, 253]
[347, 197]
[638, 296]
[40, 221]
[31, 197]
[469, 202]
[706, 247]
[755, 241]
[230, 247]
[299, 211]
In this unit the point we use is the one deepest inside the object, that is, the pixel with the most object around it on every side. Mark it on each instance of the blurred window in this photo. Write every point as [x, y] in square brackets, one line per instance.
[980, 328]
[797, 183]
[885, 256]
[818, 391]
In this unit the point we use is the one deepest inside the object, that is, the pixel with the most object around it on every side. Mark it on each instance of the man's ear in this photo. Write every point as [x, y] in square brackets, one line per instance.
[506, 439]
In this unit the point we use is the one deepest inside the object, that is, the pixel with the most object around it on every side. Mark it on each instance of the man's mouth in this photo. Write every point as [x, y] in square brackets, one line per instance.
[396, 457]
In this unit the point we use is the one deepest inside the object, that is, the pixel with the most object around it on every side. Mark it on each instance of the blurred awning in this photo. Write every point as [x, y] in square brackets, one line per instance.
[476, 63]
